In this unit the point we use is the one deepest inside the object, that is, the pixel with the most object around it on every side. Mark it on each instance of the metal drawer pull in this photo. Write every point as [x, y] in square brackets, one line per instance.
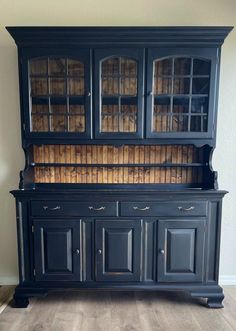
[99, 251]
[137, 208]
[97, 209]
[77, 252]
[55, 208]
[186, 209]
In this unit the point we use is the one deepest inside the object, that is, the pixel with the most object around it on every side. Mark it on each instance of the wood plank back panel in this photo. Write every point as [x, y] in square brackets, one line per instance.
[111, 157]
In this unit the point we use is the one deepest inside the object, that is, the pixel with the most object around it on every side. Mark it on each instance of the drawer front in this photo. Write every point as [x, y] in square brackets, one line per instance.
[175, 208]
[74, 208]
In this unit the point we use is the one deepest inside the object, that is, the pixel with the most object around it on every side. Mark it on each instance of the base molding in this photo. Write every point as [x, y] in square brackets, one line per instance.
[227, 280]
[9, 280]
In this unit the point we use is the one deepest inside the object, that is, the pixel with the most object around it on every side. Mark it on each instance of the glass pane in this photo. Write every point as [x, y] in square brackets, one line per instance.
[161, 123]
[181, 86]
[78, 109]
[110, 86]
[128, 67]
[119, 81]
[201, 67]
[38, 66]
[198, 123]
[182, 66]
[179, 123]
[58, 123]
[128, 118]
[128, 86]
[57, 66]
[180, 105]
[77, 123]
[38, 108]
[58, 108]
[75, 68]
[163, 67]
[39, 86]
[199, 105]
[162, 105]
[110, 66]
[200, 86]
[161, 119]
[162, 85]
[58, 86]
[39, 123]
[76, 86]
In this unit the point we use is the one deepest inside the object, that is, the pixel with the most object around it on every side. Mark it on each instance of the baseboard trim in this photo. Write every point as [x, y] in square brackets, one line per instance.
[9, 280]
[227, 280]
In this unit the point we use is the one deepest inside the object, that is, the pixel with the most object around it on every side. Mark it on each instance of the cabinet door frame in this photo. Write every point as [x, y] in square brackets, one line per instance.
[210, 54]
[76, 259]
[100, 226]
[199, 249]
[83, 55]
[137, 54]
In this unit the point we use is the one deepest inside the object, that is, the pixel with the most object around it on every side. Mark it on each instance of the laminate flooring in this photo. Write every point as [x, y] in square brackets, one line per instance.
[120, 311]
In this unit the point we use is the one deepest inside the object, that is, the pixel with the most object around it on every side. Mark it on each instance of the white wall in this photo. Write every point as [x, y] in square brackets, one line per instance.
[108, 12]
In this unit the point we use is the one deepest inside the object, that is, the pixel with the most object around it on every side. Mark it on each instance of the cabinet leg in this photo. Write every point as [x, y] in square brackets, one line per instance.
[214, 299]
[20, 301]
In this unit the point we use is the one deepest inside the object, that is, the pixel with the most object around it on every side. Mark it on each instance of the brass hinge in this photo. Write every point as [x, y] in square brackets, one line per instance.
[32, 229]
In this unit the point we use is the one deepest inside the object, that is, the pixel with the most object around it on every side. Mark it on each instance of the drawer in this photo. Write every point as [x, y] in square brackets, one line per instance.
[73, 208]
[165, 208]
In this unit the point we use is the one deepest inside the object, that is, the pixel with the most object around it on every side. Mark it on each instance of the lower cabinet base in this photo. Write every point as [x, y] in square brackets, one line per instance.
[213, 294]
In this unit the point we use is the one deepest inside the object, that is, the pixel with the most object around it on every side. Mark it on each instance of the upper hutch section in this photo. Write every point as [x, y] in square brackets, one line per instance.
[141, 85]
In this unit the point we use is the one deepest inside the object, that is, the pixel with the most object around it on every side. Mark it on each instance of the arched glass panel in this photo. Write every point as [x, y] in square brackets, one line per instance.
[180, 94]
[57, 95]
[119, 90]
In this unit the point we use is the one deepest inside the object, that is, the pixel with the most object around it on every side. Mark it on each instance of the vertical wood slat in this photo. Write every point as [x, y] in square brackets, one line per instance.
[107, 154]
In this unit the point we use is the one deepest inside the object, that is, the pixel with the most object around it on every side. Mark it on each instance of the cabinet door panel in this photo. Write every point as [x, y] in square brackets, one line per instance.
[118, 249]
[180, 250]
[57, 93]
[119, 93]
[181, 93]
[57, 250]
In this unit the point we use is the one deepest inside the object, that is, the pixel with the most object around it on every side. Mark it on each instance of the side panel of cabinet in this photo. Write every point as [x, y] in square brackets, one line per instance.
[57, 250]
[118, 250]
[181, 250]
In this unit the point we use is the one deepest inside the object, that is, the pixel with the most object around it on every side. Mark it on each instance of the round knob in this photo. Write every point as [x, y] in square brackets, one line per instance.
[77, 251]
[99, 251]
[150, 93]
[161, 251]
[89, 94]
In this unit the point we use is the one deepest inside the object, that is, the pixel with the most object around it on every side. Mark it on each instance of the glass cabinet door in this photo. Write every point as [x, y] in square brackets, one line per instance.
[59, 95]
[119, 93]
[180, 94]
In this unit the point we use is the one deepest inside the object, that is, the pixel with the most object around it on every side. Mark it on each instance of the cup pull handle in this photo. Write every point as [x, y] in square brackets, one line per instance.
[186, 209]
[97, 209]
[145, 208]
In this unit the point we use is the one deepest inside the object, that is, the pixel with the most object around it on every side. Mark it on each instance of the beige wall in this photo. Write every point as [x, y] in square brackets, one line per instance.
[108, 12]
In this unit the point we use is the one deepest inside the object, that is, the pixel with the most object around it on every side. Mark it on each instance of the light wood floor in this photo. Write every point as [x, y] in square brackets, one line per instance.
[120, 311]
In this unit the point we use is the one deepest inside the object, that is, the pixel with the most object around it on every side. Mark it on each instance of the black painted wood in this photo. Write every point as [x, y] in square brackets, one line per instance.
[181, 250]
[57, 249]
[118, 250]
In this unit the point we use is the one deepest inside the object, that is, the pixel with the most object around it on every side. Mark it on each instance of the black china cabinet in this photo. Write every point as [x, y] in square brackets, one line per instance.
[118, 129]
